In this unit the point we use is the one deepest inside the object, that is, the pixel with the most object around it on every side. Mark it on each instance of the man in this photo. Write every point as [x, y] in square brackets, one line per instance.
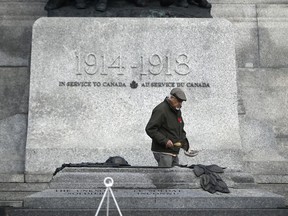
[166, 129]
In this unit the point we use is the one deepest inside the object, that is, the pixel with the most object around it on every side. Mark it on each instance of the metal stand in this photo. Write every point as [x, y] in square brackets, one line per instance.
[108, 182]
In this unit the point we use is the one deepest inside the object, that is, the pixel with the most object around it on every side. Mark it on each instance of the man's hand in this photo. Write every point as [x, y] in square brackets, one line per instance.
[169, 144]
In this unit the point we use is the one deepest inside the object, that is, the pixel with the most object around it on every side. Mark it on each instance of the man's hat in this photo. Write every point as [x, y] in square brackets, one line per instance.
[178, 93]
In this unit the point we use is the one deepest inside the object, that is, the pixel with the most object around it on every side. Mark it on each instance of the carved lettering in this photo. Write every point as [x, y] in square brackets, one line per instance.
[81, 84]
[134, 84]
[157, 65]
[154, 64]
[91, 64]
[182, 66]
[203, 84]
[163, 84]
[114, 84]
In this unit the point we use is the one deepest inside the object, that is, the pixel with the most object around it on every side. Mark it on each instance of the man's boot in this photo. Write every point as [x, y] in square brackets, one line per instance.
[80, 4]
[101, 5]
[141, 3]
[166, 3]
[54, 4]
[200, 3]
[182, 3]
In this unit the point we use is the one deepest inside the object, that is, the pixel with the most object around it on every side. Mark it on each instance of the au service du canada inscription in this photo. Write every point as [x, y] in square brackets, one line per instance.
[93, 65]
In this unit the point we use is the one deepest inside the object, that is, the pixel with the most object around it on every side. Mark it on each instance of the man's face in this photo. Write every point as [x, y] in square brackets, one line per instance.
[176, 103]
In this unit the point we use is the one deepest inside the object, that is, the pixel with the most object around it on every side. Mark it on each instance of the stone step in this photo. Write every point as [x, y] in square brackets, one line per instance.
[144, 177]
[267, 167]
[7, 177]
[152, 212]
[155, 199]
[14, 196]
[16, 204]
[15, 186]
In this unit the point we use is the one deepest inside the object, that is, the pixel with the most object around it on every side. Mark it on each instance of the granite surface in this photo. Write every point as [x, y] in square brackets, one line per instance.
[94, 83]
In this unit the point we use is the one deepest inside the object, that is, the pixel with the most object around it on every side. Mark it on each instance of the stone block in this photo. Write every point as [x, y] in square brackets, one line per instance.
[21, 186]
[272, 179]
[92, 90]
[22, 9]
[273, 25]
[14, 196]
[281, 132]
[248, 1]
[13, 132]
[140, 177]
[17, 18]
[15, 43]
[281, 189]
[16, 204]
[264, 93]
[243, 17]
[267, 167]
[234, 12]
[261, 134]
[14, 91]
[154, 199]
[8, 177]
[247, 55]
[38, 178]
[145, 212]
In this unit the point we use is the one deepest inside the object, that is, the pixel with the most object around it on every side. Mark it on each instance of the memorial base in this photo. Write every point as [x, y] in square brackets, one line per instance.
[149, 191]
[154, 199]
[152, 212]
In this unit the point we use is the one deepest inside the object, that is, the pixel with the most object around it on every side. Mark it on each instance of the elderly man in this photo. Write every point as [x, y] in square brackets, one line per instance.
[166, 129]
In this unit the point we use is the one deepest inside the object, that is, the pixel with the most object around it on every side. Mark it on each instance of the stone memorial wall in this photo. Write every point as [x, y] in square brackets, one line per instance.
[94, 83]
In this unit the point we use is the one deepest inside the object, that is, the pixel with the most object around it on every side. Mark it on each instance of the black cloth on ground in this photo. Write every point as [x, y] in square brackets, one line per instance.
[209, 179]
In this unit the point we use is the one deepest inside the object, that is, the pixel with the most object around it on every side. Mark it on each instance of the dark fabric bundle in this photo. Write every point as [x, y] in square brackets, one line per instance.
[209, 179]
[115, 161]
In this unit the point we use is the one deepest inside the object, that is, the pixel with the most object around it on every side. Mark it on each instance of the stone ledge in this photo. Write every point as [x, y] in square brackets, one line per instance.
[142, 177]
[271, 179]
[281, 189]
[38, 178]
[273, 11]
[22, 9]
[267, 167]
[156, 199]
[12, 187]
[15, 42]
[281, 132]
[6, 177]
[150, 212]
[235, 12]
[248, 1]
[16, 204]
[261, 78]
[14, 196]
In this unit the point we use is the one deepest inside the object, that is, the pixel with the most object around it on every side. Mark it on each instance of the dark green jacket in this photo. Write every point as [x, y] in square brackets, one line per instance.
[166, 123]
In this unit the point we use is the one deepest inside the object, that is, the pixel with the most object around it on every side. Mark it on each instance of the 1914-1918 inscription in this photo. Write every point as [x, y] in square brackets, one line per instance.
[154, 64]
[93, 64]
